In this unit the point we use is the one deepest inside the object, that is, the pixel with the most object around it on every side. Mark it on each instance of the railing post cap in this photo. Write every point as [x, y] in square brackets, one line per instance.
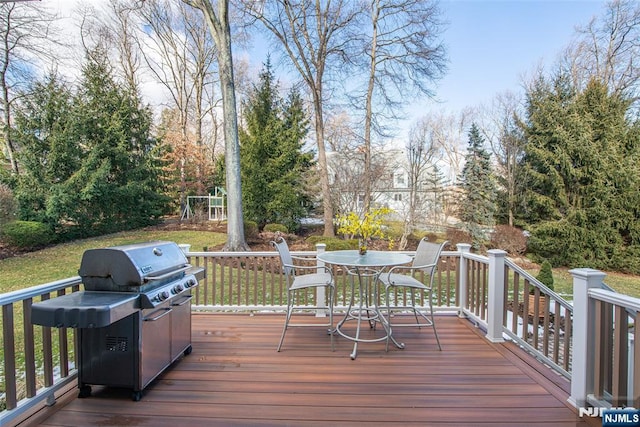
[464, 247]
[321, 245]
[497, 252]
[586, 272]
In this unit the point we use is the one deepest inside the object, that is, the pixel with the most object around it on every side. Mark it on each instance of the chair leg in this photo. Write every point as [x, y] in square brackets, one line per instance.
[388, 329]
[413, 306]
[290, 299]
[433, 322]
[331, 329]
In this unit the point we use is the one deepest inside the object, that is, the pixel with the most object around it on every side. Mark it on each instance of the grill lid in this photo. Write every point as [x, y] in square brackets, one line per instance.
[118, 268]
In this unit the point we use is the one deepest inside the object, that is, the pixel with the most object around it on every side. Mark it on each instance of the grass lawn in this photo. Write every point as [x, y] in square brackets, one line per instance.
[62, 261]
[622, 283]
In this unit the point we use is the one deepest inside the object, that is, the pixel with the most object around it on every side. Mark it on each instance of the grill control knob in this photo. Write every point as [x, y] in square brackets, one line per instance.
[190, 283]
[163, 296]
[178, 288]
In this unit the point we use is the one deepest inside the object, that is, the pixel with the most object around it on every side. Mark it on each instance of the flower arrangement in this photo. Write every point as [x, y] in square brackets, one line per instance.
[364, 228]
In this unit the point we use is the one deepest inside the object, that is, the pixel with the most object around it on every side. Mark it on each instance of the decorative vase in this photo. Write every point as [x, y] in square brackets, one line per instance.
[362, 246]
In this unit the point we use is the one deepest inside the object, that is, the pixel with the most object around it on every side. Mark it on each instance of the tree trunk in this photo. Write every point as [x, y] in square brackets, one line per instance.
[368, 178]
[219, 26]
[6, 104]
[322, 164]
[235, 221]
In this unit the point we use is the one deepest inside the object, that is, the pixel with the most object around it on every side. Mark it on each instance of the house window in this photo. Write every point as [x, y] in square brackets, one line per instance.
[397, 197]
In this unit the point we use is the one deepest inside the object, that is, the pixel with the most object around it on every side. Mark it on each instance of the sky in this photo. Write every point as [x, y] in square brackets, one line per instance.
[491, 44]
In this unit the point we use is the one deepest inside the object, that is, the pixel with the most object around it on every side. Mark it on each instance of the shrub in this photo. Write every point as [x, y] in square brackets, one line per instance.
[333, 243]
[545, 275]
[394, 230]
[250, 229]
[432, 237]
[27, 234]
[510, 239]
[274, 228]
[7, 204]
[455, 236]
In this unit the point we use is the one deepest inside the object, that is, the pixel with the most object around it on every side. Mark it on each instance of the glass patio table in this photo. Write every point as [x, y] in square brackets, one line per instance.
[366, 268]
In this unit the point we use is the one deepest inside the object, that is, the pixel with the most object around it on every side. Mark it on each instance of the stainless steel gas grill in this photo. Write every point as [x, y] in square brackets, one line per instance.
[134, 316]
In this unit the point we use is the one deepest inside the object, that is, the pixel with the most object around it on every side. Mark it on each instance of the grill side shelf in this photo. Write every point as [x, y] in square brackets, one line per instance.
[86, 309]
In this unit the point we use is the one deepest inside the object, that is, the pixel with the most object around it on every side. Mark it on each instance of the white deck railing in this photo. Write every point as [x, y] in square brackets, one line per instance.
[491, 291]
[608, 372]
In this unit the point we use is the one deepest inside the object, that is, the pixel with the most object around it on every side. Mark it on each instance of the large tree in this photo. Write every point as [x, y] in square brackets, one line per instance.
[403, 58]
[423, 151]
[221, 31]
[582, 179]
[90, 163]
[313, 35]
[273, 162]
[503, 131]
[181, 53]
[607, 49]
[478, 205]
[25, 34]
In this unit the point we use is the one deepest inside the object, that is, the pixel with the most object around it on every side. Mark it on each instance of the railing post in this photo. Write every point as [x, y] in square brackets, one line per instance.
[495, 303]
[583, 330]
[463, 248]
[320, 290]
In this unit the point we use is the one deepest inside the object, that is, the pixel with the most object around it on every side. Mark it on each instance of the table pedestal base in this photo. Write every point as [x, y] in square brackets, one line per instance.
[365, 310]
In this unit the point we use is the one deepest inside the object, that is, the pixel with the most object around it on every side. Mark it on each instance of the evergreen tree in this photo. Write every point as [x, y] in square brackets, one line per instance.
[49, 152]
[90, 159]
[272, 160]
[478, 204]
[582, 179]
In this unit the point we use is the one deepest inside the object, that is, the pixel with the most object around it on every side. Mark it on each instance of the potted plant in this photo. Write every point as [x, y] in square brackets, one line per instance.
[364, 229]
[545, 276]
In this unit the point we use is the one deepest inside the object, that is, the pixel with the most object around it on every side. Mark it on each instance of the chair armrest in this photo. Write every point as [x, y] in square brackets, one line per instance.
[308, 267]
[406, 269]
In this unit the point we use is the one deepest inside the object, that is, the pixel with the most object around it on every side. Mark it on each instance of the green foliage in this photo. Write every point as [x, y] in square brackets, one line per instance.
[89, 162]
[581, 183]
[26, 234]
[250, 228]
[273, 163]
[545, 276]
[7, 205]
[275, 228]
[333, 243]
[478, 205]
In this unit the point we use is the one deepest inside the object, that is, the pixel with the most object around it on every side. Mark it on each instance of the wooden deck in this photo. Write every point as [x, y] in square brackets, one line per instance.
[235, 377]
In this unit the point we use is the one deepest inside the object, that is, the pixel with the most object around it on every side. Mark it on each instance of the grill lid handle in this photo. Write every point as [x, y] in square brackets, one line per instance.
[169, 274]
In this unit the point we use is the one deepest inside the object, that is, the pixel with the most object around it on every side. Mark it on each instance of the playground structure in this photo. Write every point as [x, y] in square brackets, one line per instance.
[212, 205]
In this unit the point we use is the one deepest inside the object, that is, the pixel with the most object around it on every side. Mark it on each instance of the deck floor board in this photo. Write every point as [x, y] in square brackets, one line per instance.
[235, 377]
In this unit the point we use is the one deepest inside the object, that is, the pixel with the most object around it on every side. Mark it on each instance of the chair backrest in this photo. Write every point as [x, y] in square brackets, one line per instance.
[428, 253]
[285, 256]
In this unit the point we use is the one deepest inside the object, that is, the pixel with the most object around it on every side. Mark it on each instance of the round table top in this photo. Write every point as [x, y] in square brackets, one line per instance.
[351, 258]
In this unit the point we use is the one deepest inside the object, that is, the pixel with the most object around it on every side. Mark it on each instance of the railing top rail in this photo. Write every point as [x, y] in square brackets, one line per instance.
[615, 298]
[34, 291]
[475, 257]
[222, 254]
[543, 288]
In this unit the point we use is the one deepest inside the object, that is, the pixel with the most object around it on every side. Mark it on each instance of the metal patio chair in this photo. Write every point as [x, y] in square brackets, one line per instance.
[425, 262]
[300, 283]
